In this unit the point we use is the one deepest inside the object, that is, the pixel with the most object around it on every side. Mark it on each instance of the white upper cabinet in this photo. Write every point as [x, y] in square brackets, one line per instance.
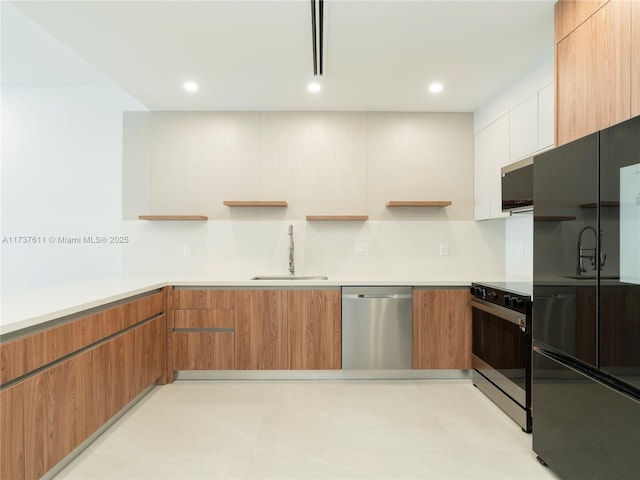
[546, 98]
[490, 155]
[321, 163]
[523, 129]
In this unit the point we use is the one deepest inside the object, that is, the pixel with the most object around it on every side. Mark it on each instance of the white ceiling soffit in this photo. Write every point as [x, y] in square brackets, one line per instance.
[256, 55]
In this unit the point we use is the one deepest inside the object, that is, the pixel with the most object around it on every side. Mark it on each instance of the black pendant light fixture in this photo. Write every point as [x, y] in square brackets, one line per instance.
[317, 40]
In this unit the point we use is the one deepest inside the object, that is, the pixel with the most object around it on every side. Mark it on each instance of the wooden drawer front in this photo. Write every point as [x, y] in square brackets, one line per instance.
[97, 326]
[12, 360]
[71, 337]
[203, 318]
[21, 356]
[203, 351]
[203, 299]
[143, 308]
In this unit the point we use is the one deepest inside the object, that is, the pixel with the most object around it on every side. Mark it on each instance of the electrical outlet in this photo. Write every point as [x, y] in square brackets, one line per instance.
[444, 249]
[186, 250]
[362, 249]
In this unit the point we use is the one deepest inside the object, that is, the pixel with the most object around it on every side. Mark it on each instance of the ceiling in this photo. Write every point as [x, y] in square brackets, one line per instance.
[256, 55]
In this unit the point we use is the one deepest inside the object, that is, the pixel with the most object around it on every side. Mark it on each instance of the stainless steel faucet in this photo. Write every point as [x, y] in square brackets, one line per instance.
[582, 252]
[292, 267]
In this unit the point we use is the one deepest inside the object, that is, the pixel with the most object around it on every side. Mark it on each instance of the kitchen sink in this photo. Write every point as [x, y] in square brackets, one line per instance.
[289, 277]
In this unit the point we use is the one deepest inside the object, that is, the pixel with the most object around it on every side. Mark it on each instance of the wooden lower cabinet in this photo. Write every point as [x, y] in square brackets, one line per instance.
[441, 329]
[66, 403]
[203, 351]
[257, 329]
[261, 337]
[113, 376]
[204, 339]
[76, 383]
[150, 347]
[314, 329]
[59, 414]
[12, 432]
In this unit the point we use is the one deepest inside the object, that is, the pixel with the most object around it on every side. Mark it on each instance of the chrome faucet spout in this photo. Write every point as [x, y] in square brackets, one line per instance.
[582, 251]
[292, 267]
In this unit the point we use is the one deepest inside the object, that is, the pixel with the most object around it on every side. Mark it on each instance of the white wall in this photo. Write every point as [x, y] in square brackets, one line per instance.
[61, 165]
[61, 176]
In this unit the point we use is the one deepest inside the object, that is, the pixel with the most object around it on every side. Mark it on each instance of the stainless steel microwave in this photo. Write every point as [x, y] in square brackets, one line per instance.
[517, 186]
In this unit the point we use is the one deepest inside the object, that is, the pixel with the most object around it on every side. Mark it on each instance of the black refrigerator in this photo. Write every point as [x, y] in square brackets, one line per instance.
[586, 306]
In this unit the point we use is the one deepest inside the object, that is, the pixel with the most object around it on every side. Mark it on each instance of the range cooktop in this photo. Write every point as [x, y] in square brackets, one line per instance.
[519, 288]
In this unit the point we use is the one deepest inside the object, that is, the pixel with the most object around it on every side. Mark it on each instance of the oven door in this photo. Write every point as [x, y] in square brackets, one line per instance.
[501, 349]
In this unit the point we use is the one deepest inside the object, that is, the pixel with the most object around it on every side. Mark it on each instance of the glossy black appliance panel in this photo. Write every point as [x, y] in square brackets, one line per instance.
[583, 429]
[565, 192]
[619, 295]
[501, 348]
[501, 345]
[586, 325]
[517, 186]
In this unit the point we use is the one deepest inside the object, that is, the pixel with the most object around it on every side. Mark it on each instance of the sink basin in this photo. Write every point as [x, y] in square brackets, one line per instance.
[289, 277]
[592, 277]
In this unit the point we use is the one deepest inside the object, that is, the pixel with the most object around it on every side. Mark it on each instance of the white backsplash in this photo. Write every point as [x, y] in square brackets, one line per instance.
[241, 249]
[518, 248]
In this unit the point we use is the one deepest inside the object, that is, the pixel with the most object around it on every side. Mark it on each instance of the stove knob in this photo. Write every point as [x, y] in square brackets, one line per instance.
[492, 295]
[483, 292]
[472, 289]
[520, 303]
[507, 300]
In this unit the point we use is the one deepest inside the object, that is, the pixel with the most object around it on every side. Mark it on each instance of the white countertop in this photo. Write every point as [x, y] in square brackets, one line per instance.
[33, 307]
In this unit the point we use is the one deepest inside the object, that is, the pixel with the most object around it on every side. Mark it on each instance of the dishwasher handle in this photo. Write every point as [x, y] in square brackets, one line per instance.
[377, 295]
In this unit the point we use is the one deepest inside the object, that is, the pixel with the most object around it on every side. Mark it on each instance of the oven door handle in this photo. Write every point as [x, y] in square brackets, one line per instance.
[502, 312]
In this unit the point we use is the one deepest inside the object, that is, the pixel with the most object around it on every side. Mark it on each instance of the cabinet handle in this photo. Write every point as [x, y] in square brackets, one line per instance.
[189, 330]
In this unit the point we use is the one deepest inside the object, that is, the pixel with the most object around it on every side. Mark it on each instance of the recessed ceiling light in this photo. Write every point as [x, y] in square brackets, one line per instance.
[435, 87]
[190, 86]
[314, 87]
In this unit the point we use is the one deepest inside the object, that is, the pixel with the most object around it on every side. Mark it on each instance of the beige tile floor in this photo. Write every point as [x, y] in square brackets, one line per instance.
[414, 429]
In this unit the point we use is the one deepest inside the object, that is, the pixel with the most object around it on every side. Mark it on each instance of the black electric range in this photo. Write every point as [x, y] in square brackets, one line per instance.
[501, 346]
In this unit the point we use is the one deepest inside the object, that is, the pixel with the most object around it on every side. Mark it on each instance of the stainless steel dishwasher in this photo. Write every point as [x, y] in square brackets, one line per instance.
[376, 328]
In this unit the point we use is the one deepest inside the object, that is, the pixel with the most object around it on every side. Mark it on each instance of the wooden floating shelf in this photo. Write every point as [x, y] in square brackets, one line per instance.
[255, 203]
[418, 203]
[553, 218]
[602, 204]
[180, 218]
[338, 218]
